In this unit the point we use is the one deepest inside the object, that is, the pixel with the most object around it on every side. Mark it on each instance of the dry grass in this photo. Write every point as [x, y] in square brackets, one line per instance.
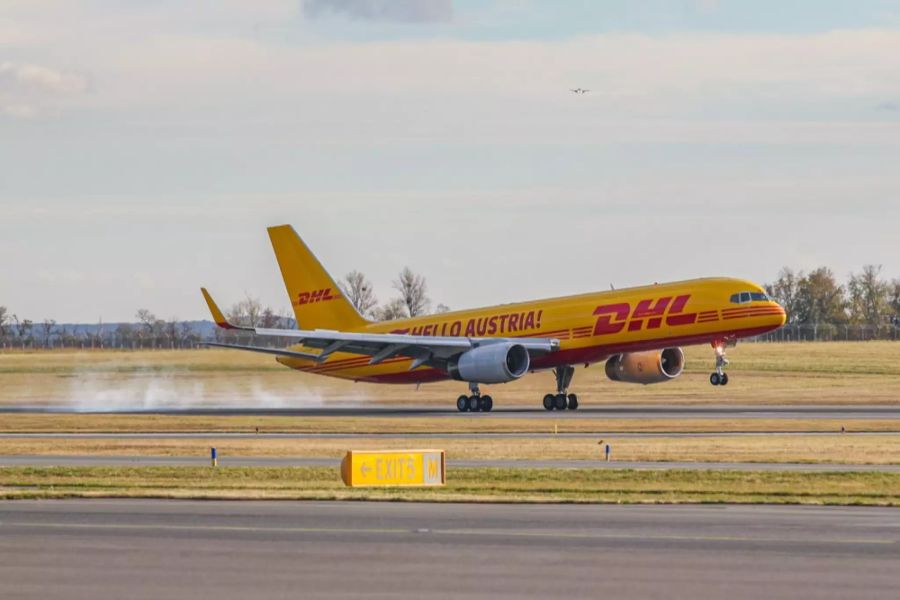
[847, 449]
[464, 485]
[797, 373]
[565, 423]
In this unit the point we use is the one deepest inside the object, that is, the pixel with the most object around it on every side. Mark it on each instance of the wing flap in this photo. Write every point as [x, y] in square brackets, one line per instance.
[275, 351]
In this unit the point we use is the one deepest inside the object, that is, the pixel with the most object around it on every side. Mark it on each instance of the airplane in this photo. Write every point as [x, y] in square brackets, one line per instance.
[637, 332]
[580, 91]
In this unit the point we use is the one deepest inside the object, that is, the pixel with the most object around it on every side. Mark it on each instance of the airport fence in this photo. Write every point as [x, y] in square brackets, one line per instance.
[827, 332]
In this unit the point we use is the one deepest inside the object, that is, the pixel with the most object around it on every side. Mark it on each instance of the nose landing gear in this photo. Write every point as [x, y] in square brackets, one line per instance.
[475, 402]
[719, 377]
[561, 400]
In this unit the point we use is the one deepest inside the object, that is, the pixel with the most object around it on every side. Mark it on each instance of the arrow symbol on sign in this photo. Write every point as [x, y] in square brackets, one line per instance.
[364, 469]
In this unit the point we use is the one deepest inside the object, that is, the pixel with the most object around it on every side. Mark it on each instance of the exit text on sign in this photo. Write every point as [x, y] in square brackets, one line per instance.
[394, 468]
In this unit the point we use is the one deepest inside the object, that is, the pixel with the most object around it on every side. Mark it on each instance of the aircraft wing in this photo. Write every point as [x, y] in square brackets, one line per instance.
[423, 349]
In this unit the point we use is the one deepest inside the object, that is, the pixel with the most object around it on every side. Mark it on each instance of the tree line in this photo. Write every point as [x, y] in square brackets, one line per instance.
[819, 307]
[150, 331]
[865, 306]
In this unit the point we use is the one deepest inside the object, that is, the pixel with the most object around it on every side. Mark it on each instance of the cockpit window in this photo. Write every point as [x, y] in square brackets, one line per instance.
[744, 297]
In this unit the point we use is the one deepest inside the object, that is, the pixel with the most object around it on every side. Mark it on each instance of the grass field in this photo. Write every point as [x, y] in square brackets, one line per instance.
[848, 449]
[464, 485]
[477, 423]
[794, 373]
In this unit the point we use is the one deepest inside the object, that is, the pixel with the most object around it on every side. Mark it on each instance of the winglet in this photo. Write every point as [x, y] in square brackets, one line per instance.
[217, 315]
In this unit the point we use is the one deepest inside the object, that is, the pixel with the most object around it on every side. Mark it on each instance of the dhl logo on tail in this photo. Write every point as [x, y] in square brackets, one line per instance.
[323, 295]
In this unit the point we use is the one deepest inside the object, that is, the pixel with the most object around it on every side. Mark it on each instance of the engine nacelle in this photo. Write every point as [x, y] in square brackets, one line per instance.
[646, 367]
[491, 363]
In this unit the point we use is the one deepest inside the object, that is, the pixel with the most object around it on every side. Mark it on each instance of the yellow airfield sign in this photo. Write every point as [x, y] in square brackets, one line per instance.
[394, 468]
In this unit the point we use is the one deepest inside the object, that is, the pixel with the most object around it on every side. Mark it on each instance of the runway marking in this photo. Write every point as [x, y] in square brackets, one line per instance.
[448, 532]
[235, 528]
[683, 538]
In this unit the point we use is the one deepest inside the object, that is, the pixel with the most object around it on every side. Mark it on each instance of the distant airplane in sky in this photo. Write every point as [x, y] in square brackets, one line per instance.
[635, 331]
[580, 91]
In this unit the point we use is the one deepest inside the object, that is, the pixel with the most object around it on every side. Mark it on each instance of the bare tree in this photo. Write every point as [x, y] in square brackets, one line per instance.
[413, 292]
[125, 334]
[247, 313]
[358, 291]
[67, 337]
[869, 300]
[24, 328]
[441, 308]
[393, 310]
[147, 319]
[786, 290]
[187, 333]
[171, 329]
[4, 319]
[47, 330]
[268, 319]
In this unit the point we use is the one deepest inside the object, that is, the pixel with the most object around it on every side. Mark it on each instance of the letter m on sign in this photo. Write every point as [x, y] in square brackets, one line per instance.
[433, 468]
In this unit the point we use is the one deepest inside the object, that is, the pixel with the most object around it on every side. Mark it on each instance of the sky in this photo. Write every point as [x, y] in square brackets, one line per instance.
[146, 145]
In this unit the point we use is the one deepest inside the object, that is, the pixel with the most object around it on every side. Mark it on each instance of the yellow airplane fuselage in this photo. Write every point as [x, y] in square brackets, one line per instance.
[590, 327]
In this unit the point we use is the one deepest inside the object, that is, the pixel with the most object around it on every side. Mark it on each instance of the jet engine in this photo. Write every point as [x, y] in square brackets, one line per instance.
[646, 367]
[491, 363]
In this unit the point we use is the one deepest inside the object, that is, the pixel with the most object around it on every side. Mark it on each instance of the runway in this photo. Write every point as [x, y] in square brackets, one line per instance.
[144, 549]
[610, 411]
[269, 461]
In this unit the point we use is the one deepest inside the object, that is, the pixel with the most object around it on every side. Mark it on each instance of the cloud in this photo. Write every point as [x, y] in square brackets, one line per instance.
[27, 90]
[41, 79]
[888, 106]
[404, 11]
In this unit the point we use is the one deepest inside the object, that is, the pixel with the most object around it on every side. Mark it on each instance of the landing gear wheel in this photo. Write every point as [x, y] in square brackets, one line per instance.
[548, 402]
[719, 377]
[462, 403]
[474, 403]
[487, 404]
[562, 400]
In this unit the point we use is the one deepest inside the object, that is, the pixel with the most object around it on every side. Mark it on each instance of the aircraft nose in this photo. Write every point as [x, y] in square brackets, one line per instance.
[780, 317]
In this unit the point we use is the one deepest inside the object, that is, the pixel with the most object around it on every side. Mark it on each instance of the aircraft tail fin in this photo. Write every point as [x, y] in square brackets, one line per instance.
[317, 301]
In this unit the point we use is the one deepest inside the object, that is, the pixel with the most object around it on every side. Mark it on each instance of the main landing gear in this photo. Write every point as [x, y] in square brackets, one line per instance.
[561, 400]
[476, 402]
[719, 377]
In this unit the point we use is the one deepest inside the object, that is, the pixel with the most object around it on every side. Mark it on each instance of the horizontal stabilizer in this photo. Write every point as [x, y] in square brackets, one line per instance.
[217, 315]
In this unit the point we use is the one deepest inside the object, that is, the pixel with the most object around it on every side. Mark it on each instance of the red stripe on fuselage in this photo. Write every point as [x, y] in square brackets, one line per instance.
[573, 356]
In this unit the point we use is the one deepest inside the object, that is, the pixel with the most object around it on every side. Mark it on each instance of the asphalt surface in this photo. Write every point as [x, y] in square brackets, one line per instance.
[269, 461]
[144, 549]
[533, 411]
